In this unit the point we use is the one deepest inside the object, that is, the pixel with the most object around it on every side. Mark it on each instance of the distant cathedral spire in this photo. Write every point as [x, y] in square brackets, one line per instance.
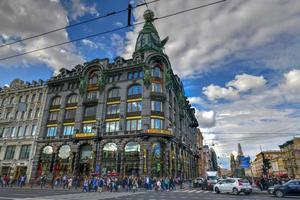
[240, 151]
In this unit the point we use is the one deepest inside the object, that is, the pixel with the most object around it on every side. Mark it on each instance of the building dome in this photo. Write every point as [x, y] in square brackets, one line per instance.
[148, 38]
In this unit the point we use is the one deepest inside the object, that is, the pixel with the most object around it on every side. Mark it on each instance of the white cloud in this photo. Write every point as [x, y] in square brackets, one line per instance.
[214, 92]
[206, 119]
[292, 80]
[241, 84]
[89, 43]
[265, 117]
[245, 82]
[118, 42]
[21, 19]
[207, 38]
[79, 9]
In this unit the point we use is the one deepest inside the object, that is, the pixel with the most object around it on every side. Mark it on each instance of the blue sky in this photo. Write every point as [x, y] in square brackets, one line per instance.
[240, 66]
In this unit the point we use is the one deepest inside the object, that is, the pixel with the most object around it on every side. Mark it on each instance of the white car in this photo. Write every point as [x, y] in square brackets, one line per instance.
[233, 185]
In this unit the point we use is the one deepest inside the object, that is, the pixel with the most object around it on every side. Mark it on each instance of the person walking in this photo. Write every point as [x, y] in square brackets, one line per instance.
[85, 186]
[22, 181]
[100, 184]
[70, 182]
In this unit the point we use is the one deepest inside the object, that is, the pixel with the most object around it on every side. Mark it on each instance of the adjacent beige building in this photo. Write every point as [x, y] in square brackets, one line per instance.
[291, 157]
[21, 106]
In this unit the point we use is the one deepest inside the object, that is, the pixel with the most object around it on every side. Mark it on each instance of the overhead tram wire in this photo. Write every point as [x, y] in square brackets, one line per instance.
[77, 24]
[110, 31]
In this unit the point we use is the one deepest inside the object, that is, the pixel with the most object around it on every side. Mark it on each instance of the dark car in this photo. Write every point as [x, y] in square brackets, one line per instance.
[291, 188]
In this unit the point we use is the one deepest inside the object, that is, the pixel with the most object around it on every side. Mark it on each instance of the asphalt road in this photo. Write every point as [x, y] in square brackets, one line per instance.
[189, 194]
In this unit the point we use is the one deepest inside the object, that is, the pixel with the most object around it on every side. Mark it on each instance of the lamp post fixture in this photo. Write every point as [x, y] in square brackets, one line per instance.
[98, 128]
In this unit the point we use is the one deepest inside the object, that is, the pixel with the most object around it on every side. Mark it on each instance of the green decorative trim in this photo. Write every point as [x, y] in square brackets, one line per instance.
[147, 76]
[168, 79]
[102, 81]
[83, 85]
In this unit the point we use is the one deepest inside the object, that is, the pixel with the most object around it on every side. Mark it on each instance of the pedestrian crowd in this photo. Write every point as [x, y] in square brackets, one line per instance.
[10, 181]
[98, 183]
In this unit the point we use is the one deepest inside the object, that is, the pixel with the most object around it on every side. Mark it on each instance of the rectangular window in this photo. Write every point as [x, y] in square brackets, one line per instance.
[135, 106]
[68, 130]
[1, 132]
[6, 132]
[156, 106]
[92, 95]
[156, 87]
[53, 116]
[89, 128]
[70, 114]
[51, 131]
[20, 131]
[90, 111]
[133, 125]
[10, 152]
[130, 75]
[33, 129]
[26, 131]
[13, 132]
[113, 109]
[25, 151]
[156, 123]
[112, 126]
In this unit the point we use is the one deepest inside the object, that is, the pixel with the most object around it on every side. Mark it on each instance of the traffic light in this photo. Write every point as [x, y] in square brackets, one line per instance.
[267, 163]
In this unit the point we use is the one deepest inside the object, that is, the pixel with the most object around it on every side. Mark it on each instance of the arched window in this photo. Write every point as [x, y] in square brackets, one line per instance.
[93, 79]
[156, 72]
[110, 150]
[134, 90]
[56, 101]
[114, 92]
[72, 99]
[86, 152]
[132, 158]
[132, 147]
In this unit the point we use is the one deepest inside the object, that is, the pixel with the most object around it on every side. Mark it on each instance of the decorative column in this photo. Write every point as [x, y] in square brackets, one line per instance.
[166, 159]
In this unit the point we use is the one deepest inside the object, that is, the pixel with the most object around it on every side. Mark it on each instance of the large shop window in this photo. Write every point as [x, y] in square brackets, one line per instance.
[10, 152]
[135, 90]
[110, 150]
[157, 123]
[92, 95]
[25, 151]
[90, 111]
[156, 72]
[113, 109]
[156, 106]
[56, 101]
[53, 116]
[135, 106]
[156, 87]
[112, 126]
[72, 99]
[113, 93]
[51, 131]
[134, 124]
[88, 128]
[68, 130]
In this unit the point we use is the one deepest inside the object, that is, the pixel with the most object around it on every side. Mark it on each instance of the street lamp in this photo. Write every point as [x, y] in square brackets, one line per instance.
[98, 128]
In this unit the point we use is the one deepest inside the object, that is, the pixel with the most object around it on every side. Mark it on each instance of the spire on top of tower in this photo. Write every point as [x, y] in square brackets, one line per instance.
[148, 38]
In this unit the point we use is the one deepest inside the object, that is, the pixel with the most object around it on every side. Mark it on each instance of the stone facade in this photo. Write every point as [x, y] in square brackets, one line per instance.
[21, 106]
[291, 157]
[129, 117]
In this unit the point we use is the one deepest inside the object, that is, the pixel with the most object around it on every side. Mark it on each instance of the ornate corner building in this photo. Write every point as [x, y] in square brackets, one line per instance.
[21, 106]
[129, 117]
